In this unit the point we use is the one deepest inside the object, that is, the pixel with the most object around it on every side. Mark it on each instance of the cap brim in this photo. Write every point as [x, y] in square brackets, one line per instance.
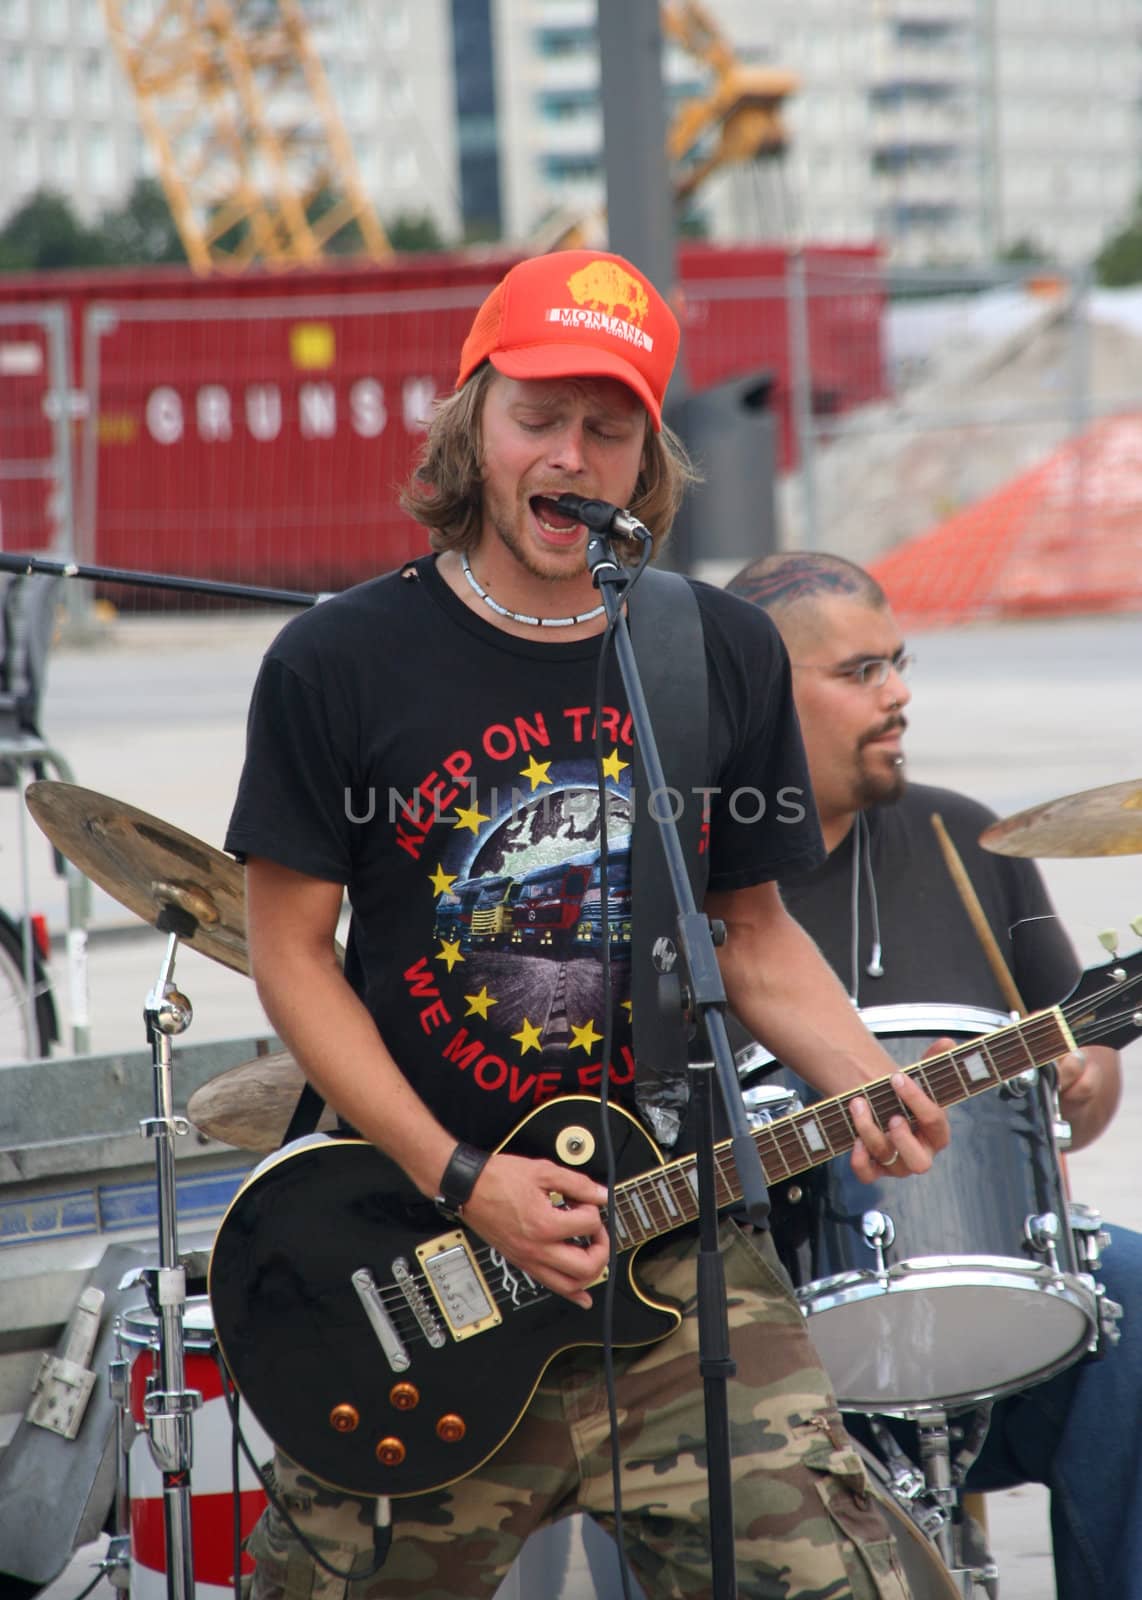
[576, 361]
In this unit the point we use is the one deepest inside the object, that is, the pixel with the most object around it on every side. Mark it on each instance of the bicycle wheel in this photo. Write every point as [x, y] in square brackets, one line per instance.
[26, 1021]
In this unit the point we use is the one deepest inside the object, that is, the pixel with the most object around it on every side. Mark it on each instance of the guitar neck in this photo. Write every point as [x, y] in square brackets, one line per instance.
[657, 1202]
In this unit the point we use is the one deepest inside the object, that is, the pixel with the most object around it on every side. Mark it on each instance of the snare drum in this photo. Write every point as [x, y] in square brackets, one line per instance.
[211, 1477]
[957, 1285]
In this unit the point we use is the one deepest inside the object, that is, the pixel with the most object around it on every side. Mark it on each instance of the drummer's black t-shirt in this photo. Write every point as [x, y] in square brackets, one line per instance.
[445, 771]
[929, 950]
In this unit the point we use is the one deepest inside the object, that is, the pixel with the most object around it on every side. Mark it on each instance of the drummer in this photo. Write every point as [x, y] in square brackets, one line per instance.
[887, 916]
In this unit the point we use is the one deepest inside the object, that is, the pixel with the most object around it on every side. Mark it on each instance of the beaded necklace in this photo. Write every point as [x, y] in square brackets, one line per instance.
[518, 616]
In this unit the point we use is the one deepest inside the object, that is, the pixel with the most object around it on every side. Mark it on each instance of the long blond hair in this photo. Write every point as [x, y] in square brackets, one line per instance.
[446, 491]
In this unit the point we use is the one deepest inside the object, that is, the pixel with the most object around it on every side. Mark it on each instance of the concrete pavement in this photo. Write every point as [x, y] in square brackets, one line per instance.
[1014, 714]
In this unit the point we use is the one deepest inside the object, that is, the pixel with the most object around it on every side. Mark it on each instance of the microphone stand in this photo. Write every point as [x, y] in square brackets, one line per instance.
[706, 1000]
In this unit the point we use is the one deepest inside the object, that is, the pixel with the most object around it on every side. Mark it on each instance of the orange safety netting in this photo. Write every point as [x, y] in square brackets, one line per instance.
[1065, 537]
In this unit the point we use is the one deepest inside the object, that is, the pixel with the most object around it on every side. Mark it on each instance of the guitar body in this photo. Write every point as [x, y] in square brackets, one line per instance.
[410, 1374]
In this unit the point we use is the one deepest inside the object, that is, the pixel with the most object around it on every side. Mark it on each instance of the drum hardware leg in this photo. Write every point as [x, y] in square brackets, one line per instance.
[969, 1567]
[116, 1564]
[906, 1483]
[169, 1405]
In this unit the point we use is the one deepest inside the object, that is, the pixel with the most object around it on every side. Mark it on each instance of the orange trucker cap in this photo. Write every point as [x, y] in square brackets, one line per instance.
[577, 314]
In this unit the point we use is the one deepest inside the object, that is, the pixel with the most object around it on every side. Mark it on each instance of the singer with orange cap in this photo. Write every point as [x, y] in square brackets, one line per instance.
[432, 743]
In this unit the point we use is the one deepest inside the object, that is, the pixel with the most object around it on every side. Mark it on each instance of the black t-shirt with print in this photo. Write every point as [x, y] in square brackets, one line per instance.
[444, 771]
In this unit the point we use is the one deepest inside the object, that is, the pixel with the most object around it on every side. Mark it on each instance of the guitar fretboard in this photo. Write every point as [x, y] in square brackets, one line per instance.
[658, 1202]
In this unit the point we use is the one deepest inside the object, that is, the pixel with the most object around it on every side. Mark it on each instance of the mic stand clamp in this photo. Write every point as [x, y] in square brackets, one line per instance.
[704, 998]
[168, 1406]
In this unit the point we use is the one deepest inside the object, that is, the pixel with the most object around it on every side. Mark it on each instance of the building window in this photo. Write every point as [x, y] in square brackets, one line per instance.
[57, 83]
[18, 81]
[96, 80]
[61, 157]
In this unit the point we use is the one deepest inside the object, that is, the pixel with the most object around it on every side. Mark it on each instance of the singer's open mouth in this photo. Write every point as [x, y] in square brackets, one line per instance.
[549, 516]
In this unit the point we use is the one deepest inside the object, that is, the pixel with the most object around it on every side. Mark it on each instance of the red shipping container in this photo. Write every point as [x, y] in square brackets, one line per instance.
[258, 429]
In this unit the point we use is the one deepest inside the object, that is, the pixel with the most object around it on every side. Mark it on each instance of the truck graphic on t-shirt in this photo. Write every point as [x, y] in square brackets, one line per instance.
[589, 929]
[553, 910]
[546, 908]
[476, 913]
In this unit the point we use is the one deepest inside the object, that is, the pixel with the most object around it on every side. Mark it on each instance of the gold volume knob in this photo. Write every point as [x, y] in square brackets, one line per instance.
[404, 1396]
[344, 1418]
[451, 1428]
[390, 1452]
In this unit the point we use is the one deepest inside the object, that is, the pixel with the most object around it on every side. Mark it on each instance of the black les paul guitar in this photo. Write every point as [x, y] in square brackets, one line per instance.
[390, 1353]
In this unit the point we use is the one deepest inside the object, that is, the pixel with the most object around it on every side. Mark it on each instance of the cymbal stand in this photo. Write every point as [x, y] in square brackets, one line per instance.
[168, 1405]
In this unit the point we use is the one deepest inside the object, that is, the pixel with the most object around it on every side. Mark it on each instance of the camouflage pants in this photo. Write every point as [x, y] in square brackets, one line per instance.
[806, 1527]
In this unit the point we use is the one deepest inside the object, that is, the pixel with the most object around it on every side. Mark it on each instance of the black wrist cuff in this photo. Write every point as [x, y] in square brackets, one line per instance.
[465, 1165]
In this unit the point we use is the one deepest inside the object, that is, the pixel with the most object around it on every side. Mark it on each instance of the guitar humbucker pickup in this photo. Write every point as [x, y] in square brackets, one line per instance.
[460, 1288]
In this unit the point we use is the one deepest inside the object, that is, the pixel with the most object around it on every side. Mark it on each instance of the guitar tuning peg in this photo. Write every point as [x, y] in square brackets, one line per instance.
[1108, 939]
[1136, 926]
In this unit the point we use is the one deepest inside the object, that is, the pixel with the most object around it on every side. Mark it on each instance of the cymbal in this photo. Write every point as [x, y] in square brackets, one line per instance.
[148, 866]
[1094, 822]
[250, 1106]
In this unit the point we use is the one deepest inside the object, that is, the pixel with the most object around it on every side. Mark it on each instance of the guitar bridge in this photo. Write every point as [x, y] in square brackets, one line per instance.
[383, 1326]
[460, 1288]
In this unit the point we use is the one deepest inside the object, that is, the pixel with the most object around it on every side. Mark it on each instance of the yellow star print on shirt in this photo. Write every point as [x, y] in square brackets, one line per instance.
[478, 1003]
[585, 1038]
[535, 772]
[441, 881]
[612, 766]
[470, 818]
[450, 952]
[528, 1037]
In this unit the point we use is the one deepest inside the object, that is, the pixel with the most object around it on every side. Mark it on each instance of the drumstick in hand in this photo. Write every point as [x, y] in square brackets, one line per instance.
[979, 922]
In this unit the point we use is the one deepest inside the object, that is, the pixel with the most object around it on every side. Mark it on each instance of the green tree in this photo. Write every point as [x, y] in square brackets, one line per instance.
[1119, 262]
[1025, 251]
[142, 232]
[45, 232]
[410, 232]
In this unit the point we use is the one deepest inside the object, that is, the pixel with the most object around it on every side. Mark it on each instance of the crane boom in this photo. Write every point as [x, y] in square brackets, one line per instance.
[236, 108]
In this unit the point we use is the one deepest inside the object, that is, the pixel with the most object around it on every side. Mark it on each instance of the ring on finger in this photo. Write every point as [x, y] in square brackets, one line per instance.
[894, 1160]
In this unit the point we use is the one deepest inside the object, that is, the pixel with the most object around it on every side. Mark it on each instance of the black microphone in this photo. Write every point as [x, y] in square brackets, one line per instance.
[602, 517]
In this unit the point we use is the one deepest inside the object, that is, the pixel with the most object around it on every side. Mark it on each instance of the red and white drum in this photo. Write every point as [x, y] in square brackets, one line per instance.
[211, 1477]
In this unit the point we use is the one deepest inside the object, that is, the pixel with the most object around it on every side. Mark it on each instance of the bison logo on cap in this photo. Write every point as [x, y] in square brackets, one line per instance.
[604, 286]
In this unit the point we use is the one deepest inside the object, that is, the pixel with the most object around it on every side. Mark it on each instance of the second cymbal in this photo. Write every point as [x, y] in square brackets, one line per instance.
[1094, 822]
[250, 1106]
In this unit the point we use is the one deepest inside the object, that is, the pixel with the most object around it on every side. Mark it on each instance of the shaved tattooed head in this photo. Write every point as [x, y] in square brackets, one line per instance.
[777, 582]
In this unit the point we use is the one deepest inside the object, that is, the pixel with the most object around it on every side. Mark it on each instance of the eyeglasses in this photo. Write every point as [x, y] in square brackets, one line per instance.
[870, 674]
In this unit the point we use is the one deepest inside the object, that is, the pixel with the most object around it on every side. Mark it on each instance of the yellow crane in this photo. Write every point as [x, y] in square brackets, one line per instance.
[252, 154]
[738, 119]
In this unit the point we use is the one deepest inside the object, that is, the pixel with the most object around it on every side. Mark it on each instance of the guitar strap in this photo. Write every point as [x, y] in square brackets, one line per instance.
[666, 634]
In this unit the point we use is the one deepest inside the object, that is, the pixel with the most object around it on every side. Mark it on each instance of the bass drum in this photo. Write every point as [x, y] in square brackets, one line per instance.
[954, 1286]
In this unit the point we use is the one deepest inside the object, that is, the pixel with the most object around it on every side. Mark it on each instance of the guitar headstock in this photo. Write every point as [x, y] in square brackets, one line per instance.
[1105, 1006]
